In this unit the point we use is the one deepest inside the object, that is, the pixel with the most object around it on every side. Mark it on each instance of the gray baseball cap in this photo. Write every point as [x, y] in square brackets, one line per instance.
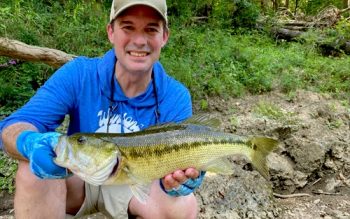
[120, 5]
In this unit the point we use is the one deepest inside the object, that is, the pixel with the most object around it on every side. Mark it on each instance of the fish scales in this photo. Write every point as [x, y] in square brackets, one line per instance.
[167, 152]
[155, 152]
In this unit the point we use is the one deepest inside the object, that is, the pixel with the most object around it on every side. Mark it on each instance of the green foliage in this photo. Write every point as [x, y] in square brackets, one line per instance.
[68, 26]
[246, 14]
[222, 13]
[313, 7]
[270, 111]
[203, 104]
[73, 26]
[19, 83]
[182, 11]
[335, 124]
[217, 13]
[205, 64]
[8, 169]
[274, 112]
[329, 41]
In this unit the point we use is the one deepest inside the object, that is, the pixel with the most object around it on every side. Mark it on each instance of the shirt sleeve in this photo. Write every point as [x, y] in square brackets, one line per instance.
[47, 108]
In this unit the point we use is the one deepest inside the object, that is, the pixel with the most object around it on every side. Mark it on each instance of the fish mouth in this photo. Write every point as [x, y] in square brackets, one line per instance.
[115, 168]
[59, 150]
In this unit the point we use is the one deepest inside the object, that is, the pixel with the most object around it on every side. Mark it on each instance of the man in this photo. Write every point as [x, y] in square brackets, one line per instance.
[126, 90]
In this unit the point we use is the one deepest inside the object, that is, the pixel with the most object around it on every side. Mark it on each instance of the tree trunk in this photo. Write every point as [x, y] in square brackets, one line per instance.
[18, 50]
[287, 4]
[275, 4]
[296, 7]
[263, 5]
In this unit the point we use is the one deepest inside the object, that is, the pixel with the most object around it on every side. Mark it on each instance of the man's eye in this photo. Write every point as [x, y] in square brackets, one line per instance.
[127, 28]
[152, 30]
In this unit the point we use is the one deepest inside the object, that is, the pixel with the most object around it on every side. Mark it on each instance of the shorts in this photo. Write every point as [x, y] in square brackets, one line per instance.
[113, 201]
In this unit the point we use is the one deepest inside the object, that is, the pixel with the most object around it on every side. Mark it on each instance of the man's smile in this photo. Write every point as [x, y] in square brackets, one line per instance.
[138, 54]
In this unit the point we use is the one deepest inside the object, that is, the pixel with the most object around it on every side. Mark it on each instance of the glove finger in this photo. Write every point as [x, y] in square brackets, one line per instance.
[43, 174]
[51, 138]
[182, 190]
[194, 183]
[191, 183]
[42, 165]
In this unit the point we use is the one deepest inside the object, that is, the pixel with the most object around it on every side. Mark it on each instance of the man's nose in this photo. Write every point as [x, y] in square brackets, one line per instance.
[140, 39]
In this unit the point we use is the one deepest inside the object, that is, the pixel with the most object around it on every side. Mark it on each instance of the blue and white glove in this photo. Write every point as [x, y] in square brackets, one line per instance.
[185, 188]
[38, 148]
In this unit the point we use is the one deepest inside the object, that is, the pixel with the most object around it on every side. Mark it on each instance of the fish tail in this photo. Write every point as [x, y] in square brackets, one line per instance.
[261, 147]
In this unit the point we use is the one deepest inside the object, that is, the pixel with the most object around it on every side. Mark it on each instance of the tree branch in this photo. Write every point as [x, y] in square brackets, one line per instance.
[18, 50]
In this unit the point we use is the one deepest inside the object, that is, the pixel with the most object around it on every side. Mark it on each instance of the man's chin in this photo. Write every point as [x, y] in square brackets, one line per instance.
[137, 66]
[140, 70]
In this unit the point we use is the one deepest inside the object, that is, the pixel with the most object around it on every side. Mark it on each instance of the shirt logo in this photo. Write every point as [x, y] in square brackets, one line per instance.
[119, 123]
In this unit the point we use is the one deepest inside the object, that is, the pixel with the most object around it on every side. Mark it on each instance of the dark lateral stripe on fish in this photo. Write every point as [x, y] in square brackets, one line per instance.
[136, 152]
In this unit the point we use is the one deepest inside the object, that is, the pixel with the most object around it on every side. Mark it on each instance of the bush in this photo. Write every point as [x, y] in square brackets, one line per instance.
[245, 15]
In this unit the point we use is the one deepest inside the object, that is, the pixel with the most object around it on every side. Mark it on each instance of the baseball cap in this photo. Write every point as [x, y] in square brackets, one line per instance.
[120, 5]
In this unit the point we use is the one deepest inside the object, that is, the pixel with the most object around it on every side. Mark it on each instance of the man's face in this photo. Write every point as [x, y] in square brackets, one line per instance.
[138, 36]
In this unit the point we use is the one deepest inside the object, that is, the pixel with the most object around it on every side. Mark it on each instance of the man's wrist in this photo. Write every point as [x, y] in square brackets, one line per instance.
[9, 137]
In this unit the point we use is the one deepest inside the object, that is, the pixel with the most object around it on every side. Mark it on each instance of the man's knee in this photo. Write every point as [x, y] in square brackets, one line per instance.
[31, 184]
[25, 178]
[185, 207]
[37, 198]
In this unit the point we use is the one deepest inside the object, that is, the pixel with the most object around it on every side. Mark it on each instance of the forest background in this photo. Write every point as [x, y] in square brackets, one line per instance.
[217, 48]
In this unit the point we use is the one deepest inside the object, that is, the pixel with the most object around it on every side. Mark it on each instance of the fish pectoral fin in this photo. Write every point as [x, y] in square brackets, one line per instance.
[140, 188]
[222, 166]
[141, 192]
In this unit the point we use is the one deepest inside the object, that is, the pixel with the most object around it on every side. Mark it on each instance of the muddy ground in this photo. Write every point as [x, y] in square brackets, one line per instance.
[310, 171]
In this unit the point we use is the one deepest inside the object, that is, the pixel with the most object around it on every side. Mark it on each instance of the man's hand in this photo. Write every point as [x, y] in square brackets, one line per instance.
[181, 183]
[38, 148]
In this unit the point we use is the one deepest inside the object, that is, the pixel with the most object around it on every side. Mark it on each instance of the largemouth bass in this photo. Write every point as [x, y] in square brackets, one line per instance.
[139, 158]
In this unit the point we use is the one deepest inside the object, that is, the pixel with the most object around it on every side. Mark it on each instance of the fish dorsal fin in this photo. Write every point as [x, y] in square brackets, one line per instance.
[167, 125]
[221, 165]
[204, 120]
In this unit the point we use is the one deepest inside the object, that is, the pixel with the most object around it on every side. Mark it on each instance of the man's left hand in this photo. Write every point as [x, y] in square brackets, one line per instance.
[182, 182]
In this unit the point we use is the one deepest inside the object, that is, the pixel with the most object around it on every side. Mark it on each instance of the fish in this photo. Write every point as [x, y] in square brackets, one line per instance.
[136, 159]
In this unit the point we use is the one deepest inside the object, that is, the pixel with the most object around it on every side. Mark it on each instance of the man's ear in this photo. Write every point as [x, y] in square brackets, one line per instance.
[166, 34]
[110, 31]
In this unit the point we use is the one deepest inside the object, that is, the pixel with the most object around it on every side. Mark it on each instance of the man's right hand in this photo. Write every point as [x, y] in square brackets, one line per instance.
[38, 148]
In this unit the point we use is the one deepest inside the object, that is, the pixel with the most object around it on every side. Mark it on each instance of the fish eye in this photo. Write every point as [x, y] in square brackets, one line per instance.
[81, 139]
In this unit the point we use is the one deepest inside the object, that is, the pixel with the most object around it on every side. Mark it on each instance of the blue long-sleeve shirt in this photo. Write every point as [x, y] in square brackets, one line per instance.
[82, 89]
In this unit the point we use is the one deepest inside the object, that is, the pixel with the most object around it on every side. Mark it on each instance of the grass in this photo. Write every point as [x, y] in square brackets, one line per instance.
[8, 169]
[209, 59]
[274, 112]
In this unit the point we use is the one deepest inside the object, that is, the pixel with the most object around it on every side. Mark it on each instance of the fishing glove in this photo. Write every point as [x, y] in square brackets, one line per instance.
[185, 188]
[38, 148]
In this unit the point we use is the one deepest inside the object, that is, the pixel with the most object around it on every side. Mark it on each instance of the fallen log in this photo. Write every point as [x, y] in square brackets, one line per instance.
[297, 28]
[334, 49]
[286, 34]
[295, 23]
[18, 50]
